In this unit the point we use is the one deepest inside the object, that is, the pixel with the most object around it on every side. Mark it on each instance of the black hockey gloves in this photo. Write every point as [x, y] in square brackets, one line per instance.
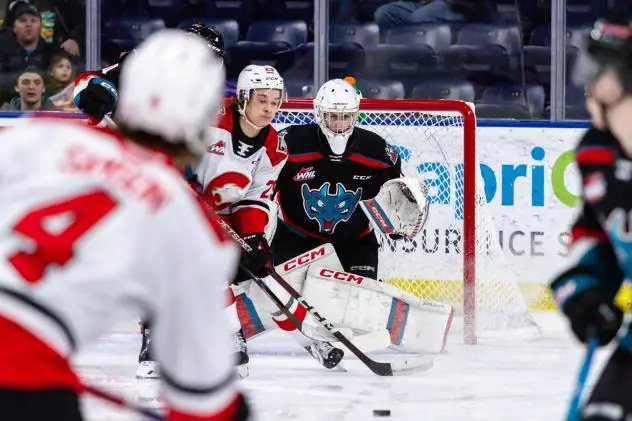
[98, 99]
[592, 309]
[259, 261]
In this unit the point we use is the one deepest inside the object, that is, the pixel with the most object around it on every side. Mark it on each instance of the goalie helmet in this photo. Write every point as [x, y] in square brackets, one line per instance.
[336, 109]
[172, 87]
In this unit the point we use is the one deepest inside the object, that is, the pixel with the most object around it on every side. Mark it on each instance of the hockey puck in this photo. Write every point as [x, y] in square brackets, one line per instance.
[381, 412]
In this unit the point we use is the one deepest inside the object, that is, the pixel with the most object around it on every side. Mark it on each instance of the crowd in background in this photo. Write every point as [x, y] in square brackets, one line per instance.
[42, 46]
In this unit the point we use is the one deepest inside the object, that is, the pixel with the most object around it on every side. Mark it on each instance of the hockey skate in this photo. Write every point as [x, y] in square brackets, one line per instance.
[147, 367]
[327, 355]
[241, 354]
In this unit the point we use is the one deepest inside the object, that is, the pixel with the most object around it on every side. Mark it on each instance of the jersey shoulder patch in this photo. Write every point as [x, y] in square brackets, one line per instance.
[373, 150]
[276, 147]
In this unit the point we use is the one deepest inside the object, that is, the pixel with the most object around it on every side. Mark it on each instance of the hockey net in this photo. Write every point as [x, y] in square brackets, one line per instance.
[457, 258]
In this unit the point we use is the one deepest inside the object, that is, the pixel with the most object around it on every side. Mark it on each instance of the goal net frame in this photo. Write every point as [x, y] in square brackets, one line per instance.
[305, 105]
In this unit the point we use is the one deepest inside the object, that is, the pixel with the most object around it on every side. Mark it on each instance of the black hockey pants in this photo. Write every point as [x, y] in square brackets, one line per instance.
[359, 256]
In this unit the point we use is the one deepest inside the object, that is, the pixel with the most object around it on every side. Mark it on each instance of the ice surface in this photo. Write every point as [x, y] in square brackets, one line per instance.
[514, 380]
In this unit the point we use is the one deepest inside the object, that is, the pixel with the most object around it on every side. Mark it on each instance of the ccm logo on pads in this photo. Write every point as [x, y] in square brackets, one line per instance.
[377, 215]
[341, 276]
[308, 257]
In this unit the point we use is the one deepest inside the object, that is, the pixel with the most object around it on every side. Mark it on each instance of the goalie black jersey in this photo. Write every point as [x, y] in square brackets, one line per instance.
[319, 192]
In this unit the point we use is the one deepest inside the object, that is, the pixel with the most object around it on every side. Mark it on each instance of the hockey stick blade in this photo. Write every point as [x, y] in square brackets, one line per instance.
[379, 368]
[380, 340]
[409, 365]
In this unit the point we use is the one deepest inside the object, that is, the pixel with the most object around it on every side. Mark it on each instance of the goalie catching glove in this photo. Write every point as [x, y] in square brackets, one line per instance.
[259, 261]
[399, 209]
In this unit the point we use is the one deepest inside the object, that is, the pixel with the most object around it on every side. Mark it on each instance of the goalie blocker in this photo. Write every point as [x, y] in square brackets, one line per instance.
[376, 315]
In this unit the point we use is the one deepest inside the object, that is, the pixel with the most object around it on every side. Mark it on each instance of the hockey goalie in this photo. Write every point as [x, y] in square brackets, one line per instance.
[373, 314]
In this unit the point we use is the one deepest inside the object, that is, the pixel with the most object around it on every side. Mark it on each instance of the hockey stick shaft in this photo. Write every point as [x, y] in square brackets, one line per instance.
[122, 402]
[379, 368]
[574, 410]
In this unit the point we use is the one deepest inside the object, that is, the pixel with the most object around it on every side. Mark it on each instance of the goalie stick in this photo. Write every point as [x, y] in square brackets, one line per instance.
[379, 368]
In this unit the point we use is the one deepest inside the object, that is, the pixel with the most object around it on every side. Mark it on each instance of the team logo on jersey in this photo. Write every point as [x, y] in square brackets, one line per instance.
[281, 145]
[243, 149]
[392, 154]
[218, 148]
[329, 209]
[227, 188]
[305, 174]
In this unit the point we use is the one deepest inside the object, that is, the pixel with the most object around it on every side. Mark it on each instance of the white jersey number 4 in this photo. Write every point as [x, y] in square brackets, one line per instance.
[55, 228]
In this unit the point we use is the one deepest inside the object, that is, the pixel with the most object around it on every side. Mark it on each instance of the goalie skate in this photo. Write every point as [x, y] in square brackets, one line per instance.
[326, 354]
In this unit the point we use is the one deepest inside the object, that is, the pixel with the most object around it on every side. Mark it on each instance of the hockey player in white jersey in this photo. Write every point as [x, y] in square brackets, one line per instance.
[97, 226]
[237, 176]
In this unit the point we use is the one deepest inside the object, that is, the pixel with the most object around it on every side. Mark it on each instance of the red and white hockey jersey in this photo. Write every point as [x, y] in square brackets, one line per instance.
[94, 229]
[238, 175]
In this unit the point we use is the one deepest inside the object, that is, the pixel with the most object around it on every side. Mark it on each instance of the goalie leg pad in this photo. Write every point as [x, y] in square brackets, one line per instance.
[251, 324]
[258, 313]
[232, 311]
[283, 321]
[366, 305]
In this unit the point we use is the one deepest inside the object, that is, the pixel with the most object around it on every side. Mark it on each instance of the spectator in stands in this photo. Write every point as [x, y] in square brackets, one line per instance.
[30, 90]
[60, 72]
[24, 47]
[429, 11]
[62, 22]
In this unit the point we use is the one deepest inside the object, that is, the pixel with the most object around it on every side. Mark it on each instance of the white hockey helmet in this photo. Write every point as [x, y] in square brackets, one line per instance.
[172, 87]
[258, 77]
[336, 109]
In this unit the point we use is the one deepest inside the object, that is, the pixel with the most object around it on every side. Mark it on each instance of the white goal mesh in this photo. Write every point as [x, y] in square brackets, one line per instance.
[456, 258]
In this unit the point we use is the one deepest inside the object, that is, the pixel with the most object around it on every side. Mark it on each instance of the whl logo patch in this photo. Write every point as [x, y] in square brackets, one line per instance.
[305, 174]
[218, 148]
[329, 209]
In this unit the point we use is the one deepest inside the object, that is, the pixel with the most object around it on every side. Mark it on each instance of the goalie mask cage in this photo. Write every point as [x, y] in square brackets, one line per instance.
[456, 258]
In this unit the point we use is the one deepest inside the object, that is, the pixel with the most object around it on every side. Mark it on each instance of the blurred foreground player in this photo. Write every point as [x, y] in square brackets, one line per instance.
[95, 226]
[602, 240]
